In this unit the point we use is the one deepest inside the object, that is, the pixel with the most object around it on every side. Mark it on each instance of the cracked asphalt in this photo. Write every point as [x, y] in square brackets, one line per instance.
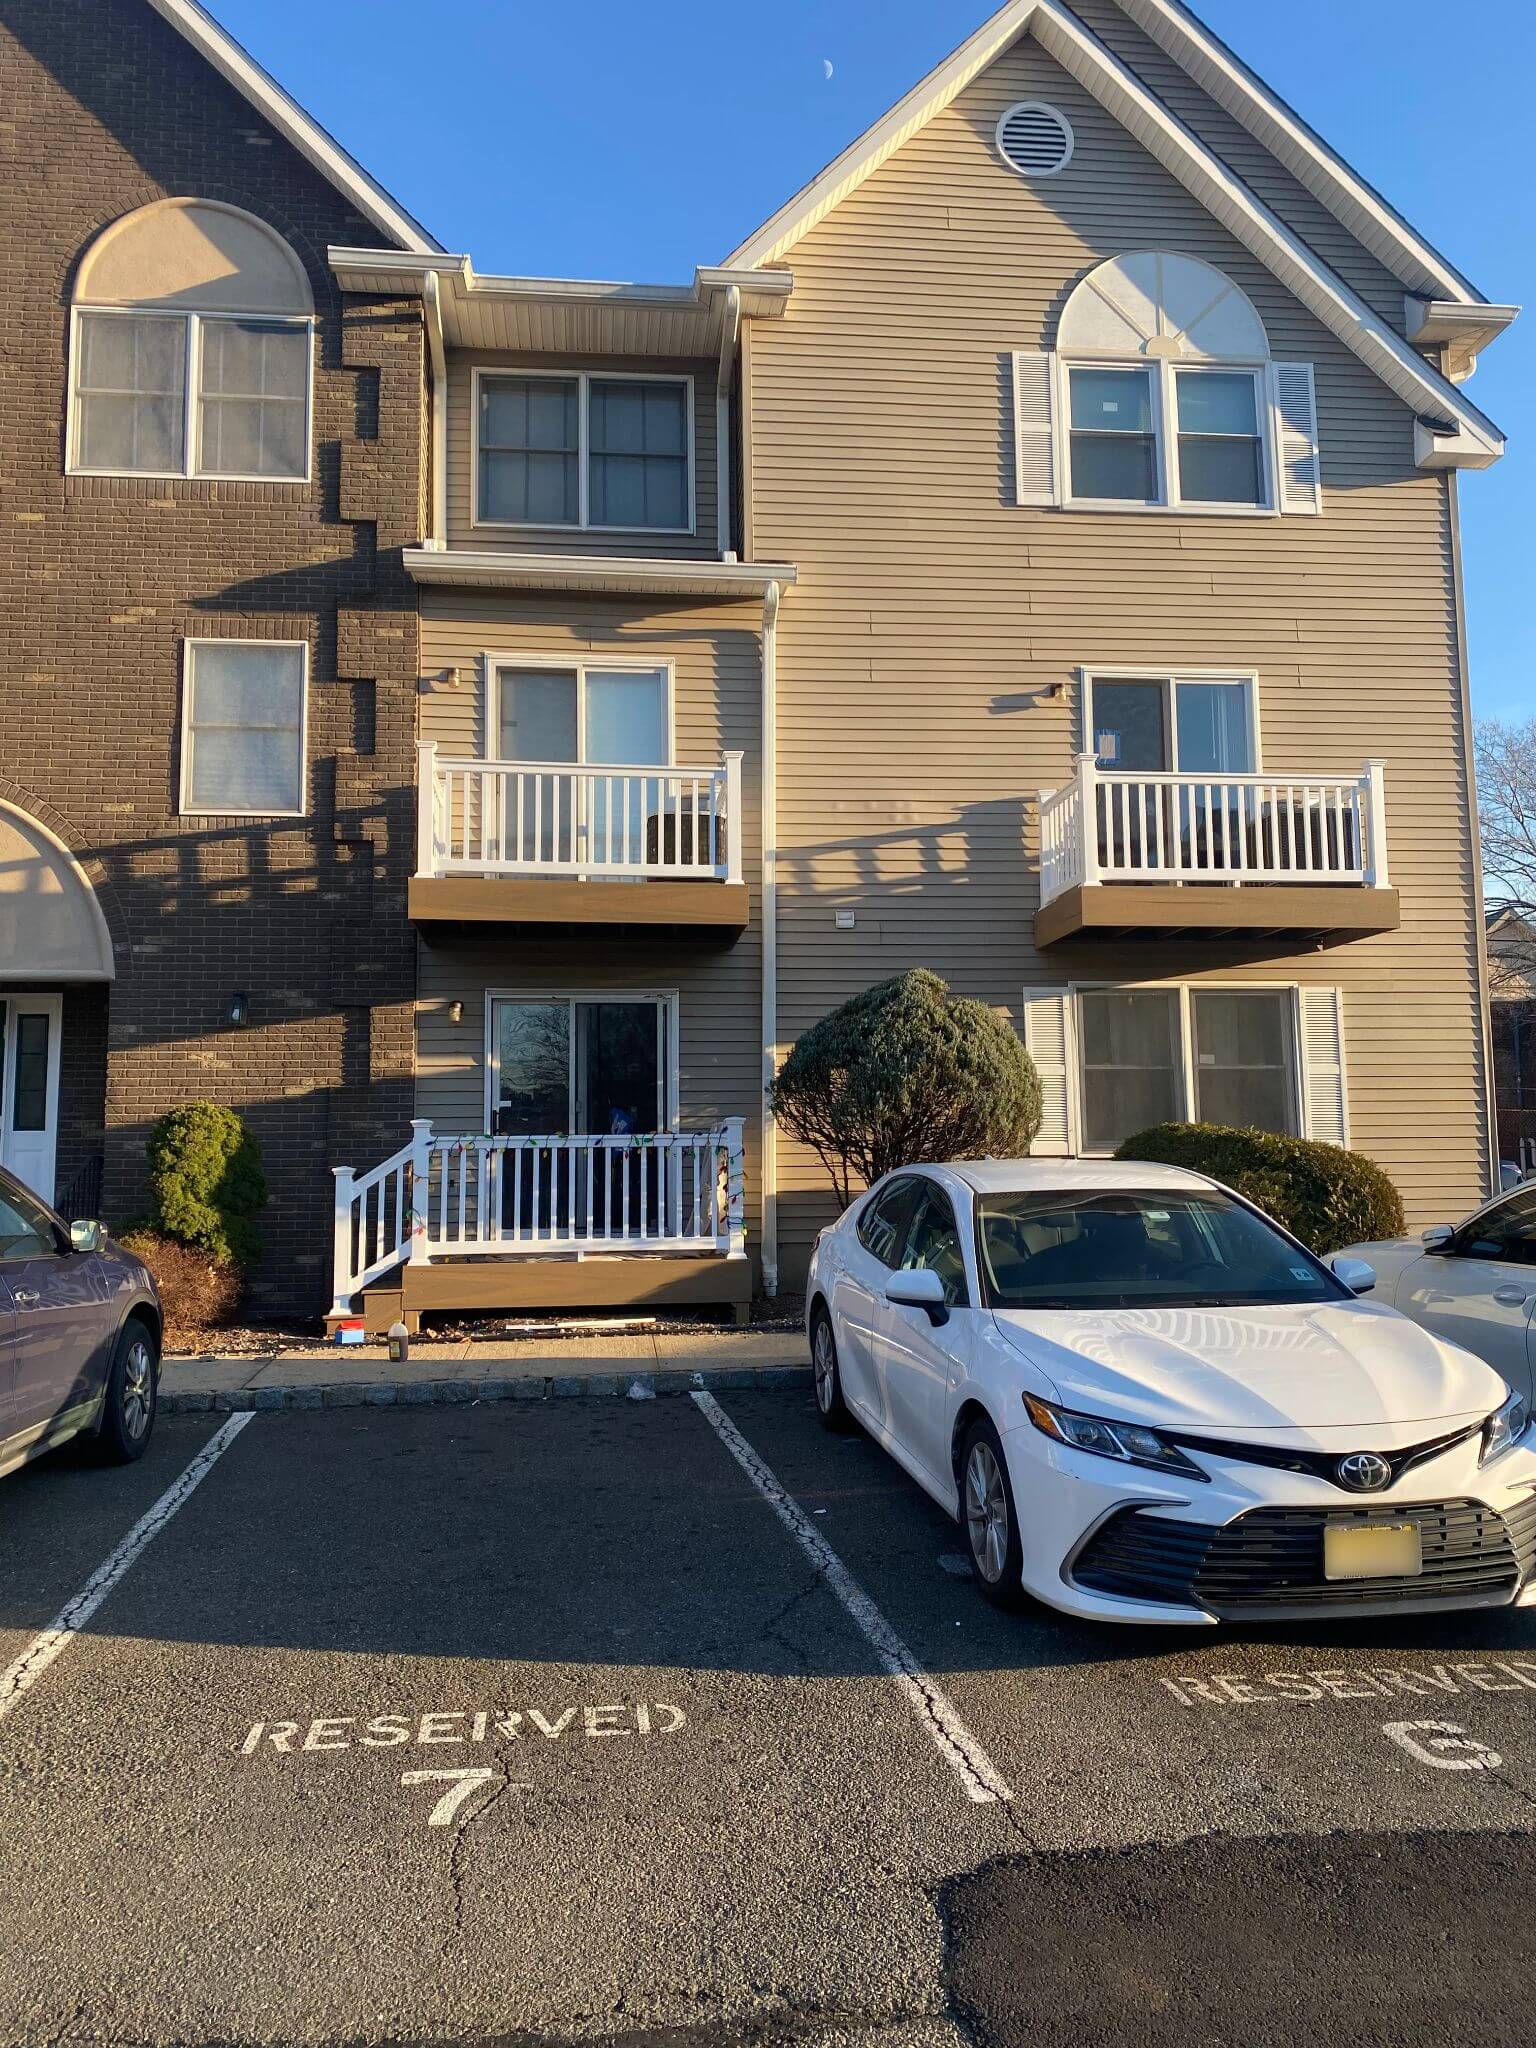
[532, 1723]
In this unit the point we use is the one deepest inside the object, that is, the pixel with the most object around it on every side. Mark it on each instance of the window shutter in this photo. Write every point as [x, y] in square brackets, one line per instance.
[1048, 1041]
[1034, 428]
[1294, 400]
[1324, 1095]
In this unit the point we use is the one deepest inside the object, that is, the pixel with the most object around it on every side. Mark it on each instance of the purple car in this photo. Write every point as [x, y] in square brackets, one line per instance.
[80, 1331]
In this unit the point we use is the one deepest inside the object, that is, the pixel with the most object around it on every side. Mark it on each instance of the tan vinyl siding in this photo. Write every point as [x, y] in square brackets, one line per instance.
[464, 531]
[933, 615]
[717, 681]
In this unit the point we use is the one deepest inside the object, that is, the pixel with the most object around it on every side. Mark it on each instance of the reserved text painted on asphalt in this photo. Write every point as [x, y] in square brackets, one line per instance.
[1270, 1688]
[485, 1724]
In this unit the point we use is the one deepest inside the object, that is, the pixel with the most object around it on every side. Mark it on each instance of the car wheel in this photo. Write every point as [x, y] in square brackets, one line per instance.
[830, 1405]
[986, 1508]
[128, 1416]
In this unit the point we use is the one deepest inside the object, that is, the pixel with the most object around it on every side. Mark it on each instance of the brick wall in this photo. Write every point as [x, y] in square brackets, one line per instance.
[104, 108]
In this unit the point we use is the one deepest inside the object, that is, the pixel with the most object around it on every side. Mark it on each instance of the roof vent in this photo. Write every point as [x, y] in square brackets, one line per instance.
[1035, 139]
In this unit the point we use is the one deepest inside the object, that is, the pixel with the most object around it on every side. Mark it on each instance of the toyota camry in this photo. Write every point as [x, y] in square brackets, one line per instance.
[1145, 1401]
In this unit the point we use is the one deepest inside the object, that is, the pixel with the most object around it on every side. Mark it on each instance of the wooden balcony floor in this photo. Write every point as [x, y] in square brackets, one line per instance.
[1328, 913]
[566, 900]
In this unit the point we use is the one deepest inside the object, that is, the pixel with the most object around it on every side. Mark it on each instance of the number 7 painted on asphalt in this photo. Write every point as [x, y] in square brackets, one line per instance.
[461, 1786]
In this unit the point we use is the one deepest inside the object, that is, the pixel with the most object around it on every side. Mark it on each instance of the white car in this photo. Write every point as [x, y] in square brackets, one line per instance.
[1474, 1282]
[1146, 1402]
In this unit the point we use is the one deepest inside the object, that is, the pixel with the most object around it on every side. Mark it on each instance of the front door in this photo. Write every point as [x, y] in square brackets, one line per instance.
[29, 1088]
[592, 1067]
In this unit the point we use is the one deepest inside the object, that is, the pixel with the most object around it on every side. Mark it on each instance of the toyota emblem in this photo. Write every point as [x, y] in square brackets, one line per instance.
[1364, 1472]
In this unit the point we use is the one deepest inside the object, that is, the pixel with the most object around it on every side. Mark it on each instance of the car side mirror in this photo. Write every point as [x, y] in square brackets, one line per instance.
[86, 1237]
[1355, 1274]
[1437, 1237]
[922, 1289]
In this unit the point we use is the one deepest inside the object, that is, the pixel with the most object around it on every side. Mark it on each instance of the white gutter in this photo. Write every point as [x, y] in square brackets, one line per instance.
[730, 335]
[432, 300]
[770, 785]
[1475, 837]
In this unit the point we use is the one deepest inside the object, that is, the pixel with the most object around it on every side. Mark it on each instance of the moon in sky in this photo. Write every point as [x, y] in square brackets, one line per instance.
[826, 65]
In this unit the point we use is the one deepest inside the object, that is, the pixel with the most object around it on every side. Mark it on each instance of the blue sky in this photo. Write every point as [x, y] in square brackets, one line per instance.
[608, 140]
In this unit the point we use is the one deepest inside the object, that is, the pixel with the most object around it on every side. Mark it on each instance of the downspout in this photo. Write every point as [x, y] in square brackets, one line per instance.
[1469, 762]
[770, 782]
[730, 333]
[437, 529]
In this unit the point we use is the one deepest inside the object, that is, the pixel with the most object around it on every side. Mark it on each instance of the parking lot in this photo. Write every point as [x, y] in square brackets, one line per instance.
[546, 1721]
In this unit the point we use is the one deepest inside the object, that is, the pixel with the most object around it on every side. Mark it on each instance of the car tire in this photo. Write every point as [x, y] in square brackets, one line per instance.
[827, 1375]
[988, 1517]
[133, 1388]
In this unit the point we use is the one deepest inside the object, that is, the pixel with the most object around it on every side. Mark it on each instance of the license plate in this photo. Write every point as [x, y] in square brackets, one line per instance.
[1384, 1551]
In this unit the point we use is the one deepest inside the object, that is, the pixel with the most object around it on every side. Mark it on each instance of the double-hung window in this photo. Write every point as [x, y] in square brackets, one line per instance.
[243, 709]
[1155, 434]
[584, 451]
[1209, 1055]
[190, 394]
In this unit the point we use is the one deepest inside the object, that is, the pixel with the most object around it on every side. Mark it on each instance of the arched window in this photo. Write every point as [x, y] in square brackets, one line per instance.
[1161, 396]
[191, 348]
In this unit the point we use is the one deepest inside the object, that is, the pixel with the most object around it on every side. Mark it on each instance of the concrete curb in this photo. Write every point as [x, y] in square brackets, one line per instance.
[447, 1393]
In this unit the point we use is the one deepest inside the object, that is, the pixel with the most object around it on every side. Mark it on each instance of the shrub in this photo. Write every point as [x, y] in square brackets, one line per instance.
[199, 1294]
[206, 1180]
[907, 1071]
[1322, 1194]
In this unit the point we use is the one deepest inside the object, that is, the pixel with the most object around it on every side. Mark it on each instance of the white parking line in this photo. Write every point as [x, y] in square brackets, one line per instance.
[936, 1715]
[68, 1622]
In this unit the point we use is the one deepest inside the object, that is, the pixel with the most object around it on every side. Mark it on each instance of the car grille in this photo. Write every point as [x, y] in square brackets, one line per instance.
[1322, 1464]
[1270, 1561]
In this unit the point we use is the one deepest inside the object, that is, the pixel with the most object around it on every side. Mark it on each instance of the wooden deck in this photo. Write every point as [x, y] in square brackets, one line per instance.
[485, 1286]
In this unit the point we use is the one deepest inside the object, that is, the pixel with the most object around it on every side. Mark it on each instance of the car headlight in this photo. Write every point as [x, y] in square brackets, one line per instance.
[1129, 1443]
[1504, 1428]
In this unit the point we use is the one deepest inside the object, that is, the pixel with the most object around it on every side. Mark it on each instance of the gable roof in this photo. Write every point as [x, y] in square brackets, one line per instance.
[236, 64]
[1455, 432]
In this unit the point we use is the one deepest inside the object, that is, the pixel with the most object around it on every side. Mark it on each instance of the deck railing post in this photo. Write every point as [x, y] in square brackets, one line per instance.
[421, 1186]
[341, 1243]
[733, 1130]
[1376, 825]
[1088, 817]
[426, 807]
[733, 817]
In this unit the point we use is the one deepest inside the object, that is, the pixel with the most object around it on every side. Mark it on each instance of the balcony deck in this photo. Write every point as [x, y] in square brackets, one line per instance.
[554, 843]
[1295, 859]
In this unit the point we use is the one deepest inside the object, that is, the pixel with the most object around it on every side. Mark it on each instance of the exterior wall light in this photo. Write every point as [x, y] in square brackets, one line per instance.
[239, 1007]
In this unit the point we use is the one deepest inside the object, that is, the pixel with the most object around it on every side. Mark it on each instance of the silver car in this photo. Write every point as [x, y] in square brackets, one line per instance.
[80, 1328]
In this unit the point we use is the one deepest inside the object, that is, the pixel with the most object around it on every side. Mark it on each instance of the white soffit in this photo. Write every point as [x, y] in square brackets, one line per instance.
[597, 575]
[219, 48]
[568, 316]
[1477, 443]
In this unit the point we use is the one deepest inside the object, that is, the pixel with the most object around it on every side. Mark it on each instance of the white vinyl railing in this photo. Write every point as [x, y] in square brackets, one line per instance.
[468, 1196]
[1237, 829]
[599, 823]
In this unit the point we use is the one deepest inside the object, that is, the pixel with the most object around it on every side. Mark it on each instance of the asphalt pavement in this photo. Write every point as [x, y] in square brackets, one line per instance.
[555, 1721]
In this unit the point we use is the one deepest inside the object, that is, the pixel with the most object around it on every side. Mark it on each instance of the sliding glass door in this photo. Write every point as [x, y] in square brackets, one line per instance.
[591, 717]
[582, 1066]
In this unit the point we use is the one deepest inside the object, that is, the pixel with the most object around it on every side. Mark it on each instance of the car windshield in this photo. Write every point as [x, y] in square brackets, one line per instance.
[1121, 1249]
